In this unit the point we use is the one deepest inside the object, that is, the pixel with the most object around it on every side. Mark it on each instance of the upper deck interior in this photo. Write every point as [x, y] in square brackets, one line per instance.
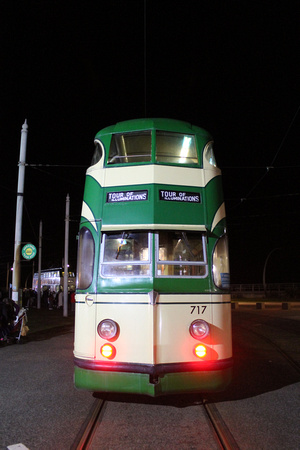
[153, 141]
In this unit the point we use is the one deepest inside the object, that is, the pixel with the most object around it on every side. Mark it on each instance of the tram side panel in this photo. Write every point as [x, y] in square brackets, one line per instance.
[84, 338]
[221, 330]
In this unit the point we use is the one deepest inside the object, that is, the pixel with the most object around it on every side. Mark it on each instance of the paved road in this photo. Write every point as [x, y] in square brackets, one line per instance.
[40, 408]
[262, 405]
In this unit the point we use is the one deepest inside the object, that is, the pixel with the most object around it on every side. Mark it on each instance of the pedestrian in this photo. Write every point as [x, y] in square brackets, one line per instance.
[51, 301]
[72, 301]
[45, 297]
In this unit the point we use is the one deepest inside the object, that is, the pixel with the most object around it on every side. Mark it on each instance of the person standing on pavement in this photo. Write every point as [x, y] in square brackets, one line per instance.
[72, 301]
[51, 301]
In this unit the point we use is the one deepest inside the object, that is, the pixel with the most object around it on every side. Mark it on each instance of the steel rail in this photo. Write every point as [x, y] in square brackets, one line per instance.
[86, 434]
[88, 429]
[225, 438]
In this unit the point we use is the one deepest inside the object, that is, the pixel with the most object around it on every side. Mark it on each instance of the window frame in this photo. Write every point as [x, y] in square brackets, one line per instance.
[115, 136]
[203, 263]
[85, 270]
[147, 262]
[153, 157]
[220, 260]
[173, 158]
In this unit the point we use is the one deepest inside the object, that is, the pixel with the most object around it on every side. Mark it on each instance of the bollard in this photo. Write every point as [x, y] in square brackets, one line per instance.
[260, 305]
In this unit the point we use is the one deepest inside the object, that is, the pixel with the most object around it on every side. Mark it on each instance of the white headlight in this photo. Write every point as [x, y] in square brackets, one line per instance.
[108, 329]
[199, 329]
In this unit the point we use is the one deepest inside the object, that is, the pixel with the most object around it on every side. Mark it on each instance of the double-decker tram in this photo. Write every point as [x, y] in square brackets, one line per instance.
[153, 313]
[53, 280]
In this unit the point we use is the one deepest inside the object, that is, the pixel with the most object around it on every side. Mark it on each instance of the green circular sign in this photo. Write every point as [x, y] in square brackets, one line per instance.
[28, 251]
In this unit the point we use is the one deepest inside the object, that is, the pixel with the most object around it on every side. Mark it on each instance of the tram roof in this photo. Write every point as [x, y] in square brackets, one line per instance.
[178, 126]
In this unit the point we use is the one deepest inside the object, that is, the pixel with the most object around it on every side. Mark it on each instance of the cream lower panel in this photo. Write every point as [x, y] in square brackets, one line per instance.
[134, 315]
[84, 336]
[153, 334]
[173, 317]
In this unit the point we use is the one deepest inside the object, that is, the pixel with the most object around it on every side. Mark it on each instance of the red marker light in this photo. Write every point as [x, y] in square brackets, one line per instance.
[200, 351]
[108, 351]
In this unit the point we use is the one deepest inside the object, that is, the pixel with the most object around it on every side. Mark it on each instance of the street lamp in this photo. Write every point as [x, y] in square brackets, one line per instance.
[265, 267]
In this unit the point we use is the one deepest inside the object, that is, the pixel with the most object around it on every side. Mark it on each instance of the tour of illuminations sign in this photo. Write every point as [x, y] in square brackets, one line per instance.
[179, 196]
[164, 195]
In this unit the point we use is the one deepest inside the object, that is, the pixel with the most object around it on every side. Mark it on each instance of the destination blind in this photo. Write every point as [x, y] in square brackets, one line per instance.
[126, 196]
[179, 196]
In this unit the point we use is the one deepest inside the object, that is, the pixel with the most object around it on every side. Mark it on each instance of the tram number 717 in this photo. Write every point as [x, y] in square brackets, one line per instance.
[198, 309]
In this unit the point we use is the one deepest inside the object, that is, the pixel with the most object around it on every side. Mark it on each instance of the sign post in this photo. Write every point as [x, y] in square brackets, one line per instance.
[66, 260]
[39, 266]
[16, 281]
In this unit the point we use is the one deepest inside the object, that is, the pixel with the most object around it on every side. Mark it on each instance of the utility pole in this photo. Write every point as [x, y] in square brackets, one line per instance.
[39, 266]
[16, 281]
[66, 259]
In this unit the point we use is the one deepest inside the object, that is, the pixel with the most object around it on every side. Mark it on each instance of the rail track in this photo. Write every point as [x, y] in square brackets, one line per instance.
[292, 362]
[220, 432]
[223, 434]
[88, 429]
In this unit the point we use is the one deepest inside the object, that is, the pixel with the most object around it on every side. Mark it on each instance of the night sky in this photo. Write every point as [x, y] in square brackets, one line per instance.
[231, 67]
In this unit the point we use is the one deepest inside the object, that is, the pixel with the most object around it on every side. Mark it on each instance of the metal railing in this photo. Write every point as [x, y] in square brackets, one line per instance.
[290, 290]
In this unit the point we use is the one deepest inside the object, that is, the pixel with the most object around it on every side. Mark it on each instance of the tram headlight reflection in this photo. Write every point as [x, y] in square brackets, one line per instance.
[199, 329]
[108, 329]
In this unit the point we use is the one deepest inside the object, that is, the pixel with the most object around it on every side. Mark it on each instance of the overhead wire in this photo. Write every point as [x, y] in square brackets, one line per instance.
[271, 166]
[38, 168]
[54, 165]
[285, 136]
[259, 167]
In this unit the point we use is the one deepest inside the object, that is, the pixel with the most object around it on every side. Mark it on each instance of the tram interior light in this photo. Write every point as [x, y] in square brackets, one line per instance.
[185, 148]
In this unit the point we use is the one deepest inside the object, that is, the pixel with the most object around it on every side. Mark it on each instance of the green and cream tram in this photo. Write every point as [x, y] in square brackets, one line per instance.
[153, 312]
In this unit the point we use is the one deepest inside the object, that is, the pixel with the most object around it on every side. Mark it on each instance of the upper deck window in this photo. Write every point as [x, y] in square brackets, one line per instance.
[135, 147]
[175, 148]
[130, 148]
[97, 153]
